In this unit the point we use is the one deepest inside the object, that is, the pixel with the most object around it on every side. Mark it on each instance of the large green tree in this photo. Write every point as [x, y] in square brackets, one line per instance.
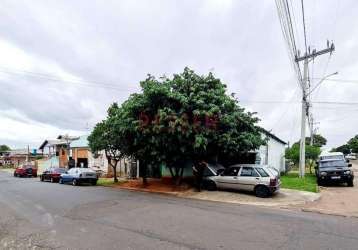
[186, 117]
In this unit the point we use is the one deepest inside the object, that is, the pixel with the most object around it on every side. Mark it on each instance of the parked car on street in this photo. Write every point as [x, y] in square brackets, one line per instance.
[26, 170]
[351, 156]
[52, 174]
[330, 169]
[77, 176]
[261, 179]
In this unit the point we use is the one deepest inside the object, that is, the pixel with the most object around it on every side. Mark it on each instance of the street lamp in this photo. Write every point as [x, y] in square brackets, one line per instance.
[319, 83]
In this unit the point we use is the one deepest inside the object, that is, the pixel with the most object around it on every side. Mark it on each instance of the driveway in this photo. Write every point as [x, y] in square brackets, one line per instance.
[338, 200]
[36, 215]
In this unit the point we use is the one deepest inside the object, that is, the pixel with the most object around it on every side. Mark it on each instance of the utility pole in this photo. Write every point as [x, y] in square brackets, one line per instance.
[305, 104]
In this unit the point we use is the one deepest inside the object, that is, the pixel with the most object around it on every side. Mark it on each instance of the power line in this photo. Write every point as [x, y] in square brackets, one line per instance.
[57, 79]
[304, 24]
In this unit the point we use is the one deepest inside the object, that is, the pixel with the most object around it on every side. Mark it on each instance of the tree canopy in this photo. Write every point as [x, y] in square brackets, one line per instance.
[186, 117]
[311, 153]
[318, 140]
[350, 146]
[4, 148]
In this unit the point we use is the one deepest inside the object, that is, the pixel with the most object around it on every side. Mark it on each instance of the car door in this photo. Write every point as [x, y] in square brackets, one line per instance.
[228, 179]
[45, 174]
[248, 178]
[67, 176]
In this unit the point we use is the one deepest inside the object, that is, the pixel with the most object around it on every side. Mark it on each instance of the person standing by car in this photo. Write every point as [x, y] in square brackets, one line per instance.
[198, 171]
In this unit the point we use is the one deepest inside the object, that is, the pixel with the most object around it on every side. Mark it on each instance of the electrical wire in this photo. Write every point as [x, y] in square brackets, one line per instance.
[57, 79]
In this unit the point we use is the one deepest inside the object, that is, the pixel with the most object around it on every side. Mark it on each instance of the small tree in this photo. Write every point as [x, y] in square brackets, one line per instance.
[311, 154]
[103, 138]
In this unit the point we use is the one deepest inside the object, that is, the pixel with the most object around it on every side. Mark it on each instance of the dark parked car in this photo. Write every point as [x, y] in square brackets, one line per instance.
[52, 174]
[334, 171]
[26, 170]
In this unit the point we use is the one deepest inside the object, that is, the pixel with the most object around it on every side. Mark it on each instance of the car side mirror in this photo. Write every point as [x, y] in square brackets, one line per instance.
[316, 167]
[347, 161]
[66, 172]
[350, 165]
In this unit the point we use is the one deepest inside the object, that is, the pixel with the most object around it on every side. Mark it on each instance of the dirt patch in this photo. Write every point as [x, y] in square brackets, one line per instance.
[337, 200]
[164, 185]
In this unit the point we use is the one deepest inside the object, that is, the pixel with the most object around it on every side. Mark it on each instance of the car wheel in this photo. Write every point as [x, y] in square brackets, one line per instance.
[60, 181]
[74, 182]
[350, 183]
[94, 183]
[41, 178]
[15, 175]
[262, 191]
[319, 182]
[211, 186]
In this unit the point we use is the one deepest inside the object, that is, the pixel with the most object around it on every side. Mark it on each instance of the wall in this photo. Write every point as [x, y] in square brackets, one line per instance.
[273, 154]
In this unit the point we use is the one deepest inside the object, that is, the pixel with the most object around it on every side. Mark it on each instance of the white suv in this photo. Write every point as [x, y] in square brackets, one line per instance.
[261, 179]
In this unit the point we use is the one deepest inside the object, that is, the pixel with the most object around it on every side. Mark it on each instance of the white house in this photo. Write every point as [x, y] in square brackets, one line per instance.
[273, 153]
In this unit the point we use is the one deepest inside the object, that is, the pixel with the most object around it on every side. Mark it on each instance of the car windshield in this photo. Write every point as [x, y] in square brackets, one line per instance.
[332, 157]
[337, 163]
[216, 168]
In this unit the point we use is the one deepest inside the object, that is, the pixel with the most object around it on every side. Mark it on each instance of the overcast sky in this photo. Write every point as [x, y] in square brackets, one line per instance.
[63, 62]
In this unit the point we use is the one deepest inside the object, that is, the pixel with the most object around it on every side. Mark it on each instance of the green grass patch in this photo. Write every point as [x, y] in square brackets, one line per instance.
[108, 182]
[292, 181]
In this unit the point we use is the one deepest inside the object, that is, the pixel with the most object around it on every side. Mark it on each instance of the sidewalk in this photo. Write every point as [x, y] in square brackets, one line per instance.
[285, 198]
[337, 200]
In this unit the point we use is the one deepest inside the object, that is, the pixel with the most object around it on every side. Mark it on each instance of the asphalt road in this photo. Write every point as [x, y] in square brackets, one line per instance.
[35, 215]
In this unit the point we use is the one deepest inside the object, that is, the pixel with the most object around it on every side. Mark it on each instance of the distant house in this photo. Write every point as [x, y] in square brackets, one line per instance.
[17, 157]
[56, 150]
[83, 157]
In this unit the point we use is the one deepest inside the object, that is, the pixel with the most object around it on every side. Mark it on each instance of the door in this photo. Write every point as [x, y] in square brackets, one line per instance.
[228, 179]
[248, 178]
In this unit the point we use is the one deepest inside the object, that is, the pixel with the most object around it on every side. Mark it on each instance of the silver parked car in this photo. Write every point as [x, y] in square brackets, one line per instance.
[262, 180]
[76, 176]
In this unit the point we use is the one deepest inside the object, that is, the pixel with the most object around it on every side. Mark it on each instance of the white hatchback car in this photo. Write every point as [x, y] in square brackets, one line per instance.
[261, 179]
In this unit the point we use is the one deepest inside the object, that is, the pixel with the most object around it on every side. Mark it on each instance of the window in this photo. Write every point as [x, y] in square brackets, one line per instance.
[231, 171]
[249, 171]
[262, 172]
[207, 172]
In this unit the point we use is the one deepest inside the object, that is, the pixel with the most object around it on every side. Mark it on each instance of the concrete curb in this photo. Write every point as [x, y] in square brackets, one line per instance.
[328, 212]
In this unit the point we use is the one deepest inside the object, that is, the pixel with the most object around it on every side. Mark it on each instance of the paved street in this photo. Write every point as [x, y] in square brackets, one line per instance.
[37, 215]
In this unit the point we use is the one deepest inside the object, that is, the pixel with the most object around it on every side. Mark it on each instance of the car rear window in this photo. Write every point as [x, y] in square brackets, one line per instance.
[59, 170]
[262, 172]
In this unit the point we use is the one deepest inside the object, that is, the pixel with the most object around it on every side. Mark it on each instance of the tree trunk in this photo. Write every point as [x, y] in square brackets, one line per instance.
[144, 174]
[115, 171]
[120, 168]
[180, 177]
